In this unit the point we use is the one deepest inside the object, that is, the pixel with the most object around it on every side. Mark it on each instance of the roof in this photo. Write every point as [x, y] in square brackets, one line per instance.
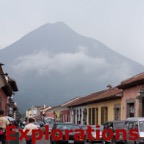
[84, 100]
[1, 64]
[53, 108]
[133, 81]
[111, 93]
[45, 109]
[69, 102]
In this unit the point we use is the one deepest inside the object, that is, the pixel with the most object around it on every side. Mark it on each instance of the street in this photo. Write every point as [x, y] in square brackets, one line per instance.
[43, 141]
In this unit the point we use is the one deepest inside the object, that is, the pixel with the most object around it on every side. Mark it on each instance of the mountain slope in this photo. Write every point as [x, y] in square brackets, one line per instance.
[54, 63]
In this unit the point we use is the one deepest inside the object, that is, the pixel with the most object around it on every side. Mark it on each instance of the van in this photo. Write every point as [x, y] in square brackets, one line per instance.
[114, 126]
[134, 123]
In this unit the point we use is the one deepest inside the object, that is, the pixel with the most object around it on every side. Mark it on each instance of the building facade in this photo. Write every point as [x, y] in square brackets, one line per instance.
[8, 87]
[133, 96]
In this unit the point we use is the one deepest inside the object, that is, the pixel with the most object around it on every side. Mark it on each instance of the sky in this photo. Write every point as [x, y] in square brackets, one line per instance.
[119, 24]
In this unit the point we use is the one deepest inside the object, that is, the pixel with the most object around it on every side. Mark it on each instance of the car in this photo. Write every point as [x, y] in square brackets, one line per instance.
[71, 135]
[93, 138]
[50, 122]
[134, 123]
[114, 126]
[84, 128]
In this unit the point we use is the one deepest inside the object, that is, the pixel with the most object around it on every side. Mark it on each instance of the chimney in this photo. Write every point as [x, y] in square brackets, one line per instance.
[109, 86]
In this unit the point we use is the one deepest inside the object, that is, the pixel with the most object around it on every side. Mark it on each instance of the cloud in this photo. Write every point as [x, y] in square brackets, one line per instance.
[43, 62]
[73, 65]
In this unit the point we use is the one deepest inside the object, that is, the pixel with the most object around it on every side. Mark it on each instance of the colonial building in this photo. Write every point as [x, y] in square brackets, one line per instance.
[8, 87]
[97, 107]
[105, 107]
[132, 104]
[79, 109]
[54, 112]
[65, 111]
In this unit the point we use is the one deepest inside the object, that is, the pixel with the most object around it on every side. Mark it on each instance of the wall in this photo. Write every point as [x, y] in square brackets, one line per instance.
[128, 94]
[65, 115]
[110, 104]
[3, 101]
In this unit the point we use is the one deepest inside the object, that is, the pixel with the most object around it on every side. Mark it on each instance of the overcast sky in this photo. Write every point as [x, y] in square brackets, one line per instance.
[117, 23]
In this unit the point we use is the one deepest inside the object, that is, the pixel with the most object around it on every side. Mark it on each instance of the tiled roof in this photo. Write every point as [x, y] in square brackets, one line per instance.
[112, 92]
[69, 102]
[135, 80]
[101, 95]
[85, 99]
[53, 108]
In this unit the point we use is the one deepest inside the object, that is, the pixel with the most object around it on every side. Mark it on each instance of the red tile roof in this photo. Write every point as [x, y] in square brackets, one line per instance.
[84, 99]
[69, 102]
[133, 81]
[112, 92]
[101, 95]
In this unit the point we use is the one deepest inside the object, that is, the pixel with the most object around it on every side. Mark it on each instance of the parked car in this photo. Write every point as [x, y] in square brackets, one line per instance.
[63, 127]
[50, 122]
[114, 126]
[84, 128]
[136, 123]
[93, 138]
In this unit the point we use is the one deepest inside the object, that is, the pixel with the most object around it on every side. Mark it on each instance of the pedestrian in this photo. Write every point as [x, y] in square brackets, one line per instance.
[26, 120]
[30, 126]
[3, 124]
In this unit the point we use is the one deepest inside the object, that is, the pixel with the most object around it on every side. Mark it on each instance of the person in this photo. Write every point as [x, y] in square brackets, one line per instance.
[30, 126]
[3, 124]
[26, 120]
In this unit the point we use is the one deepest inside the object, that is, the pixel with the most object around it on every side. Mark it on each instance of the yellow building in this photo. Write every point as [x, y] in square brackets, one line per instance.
[104, 107]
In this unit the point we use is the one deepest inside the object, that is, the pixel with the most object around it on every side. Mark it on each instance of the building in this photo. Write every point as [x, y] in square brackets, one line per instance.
[55, 112]
[97, 107]
[37, 112]
[105, 107]
[65, 110]
[8, 87]
[79, 109]
[133, 96]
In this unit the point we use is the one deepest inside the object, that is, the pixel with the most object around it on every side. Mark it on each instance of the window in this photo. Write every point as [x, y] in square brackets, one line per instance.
[89, 115]
[117, 111]
[104, 114]
[96, 116]
[126, 125]
[131, 125]
[130, 109]
[74, 116]
[93, 116]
